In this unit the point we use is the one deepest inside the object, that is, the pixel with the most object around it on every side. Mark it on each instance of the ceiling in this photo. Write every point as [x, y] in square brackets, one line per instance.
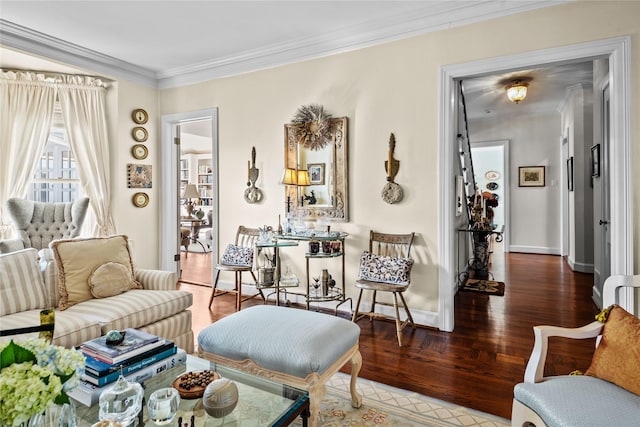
[172, 43]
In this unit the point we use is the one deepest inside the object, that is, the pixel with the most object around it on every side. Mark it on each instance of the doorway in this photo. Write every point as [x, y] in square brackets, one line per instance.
[618, 53]
[180, 168]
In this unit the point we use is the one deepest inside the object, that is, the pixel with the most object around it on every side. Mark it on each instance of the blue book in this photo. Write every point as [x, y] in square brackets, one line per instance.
[98, 368]
[126, 369]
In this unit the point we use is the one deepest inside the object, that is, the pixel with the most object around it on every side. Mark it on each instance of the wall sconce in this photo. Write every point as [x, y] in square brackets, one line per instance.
[252, 194]
[517, 91]
[303, 181]
[190, 192]
[289, 178]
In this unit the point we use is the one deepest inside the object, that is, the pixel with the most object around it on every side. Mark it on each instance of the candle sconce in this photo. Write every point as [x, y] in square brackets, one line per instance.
[252, 194]
[392, 192]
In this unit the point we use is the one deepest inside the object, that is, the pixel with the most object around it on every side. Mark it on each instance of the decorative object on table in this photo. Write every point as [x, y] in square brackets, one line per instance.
[312, 127]
[531, 176]
[483, 286]
[252, 194]
[314, 247]
[326, 246]
[139, 151]
[335, 247]
[139, 176]
[481, 206]
[163, 405]
[139, 116]
[199, 214]
[190, 192]
[325, 281]
[140, 200]
[266, 234]
[114, 337]
[122, 402]
[392, 192]
[191, 385]
[139, 134]
[595, 160]
[220, 398]
[289, 279]
[34, 376]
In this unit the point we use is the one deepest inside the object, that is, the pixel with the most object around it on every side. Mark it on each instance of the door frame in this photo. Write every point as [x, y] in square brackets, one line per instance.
[169, 196]
[618, 51]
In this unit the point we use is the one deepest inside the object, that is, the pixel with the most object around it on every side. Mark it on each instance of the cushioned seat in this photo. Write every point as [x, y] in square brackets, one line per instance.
[297, 347]
[578, 400]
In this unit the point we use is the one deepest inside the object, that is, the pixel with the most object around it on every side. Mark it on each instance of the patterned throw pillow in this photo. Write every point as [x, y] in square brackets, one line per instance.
[385, 269]
[237, 255]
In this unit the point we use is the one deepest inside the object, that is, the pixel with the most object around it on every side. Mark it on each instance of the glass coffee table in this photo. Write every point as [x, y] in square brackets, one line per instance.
[261, 402]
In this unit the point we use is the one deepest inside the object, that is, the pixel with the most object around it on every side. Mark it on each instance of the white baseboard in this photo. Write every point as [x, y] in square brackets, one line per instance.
[579, 266]
[534, 250]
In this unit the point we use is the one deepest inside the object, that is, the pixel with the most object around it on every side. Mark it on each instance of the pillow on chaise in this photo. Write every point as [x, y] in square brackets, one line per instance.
[237, 255]
[78, 261]
[385, 269]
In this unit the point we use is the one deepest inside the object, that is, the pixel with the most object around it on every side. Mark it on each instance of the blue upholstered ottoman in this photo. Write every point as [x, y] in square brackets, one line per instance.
[296, 347]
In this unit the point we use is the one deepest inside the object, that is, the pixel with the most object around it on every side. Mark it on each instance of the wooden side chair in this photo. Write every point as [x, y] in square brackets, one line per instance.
[45, 328]
[238, 258]
[386, 267]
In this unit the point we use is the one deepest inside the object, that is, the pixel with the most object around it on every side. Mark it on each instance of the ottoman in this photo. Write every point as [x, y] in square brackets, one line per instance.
[299, 348]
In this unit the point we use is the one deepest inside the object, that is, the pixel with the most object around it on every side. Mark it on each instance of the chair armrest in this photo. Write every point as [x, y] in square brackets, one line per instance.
[535, 368]
[11, 245]
[157, 280]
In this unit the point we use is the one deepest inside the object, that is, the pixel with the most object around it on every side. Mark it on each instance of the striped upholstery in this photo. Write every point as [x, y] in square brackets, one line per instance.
[133, 309]
[157, 280]
[175, 328]
[21, 285]
[70, 330]
[50, 275]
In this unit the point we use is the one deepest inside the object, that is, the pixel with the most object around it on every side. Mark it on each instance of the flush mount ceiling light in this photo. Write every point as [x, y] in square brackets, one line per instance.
[517, 91]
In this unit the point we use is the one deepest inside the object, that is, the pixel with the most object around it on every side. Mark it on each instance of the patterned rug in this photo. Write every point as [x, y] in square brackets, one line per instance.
[489, 287]
[383, 405]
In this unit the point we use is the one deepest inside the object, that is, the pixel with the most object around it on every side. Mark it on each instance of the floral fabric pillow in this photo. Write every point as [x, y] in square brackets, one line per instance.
[237, 255]
[385, 269]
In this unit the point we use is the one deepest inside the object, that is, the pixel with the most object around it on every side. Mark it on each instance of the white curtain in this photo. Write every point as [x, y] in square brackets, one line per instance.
[84, 110]
[26, 108]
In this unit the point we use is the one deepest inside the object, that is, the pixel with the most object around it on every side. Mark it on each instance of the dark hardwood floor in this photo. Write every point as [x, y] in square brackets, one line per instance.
[479, 363]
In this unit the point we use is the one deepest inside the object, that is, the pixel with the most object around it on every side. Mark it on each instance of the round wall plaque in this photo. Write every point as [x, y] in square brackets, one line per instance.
[139, 116]
[492, 175]
[140, 200]
[139, 133]
[139, 151]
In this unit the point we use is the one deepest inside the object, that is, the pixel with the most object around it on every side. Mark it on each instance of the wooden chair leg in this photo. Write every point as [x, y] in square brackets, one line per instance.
[213, 289]
[398, 323]
[255, 280]
[373, 304]
[238, 290]
[406, 308]
[355, 313]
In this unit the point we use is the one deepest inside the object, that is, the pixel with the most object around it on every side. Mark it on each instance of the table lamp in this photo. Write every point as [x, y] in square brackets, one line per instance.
[303, 181]
[190, 192]
[289, 178]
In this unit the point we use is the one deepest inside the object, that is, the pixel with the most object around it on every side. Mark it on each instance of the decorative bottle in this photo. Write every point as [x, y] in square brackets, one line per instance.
[325, 281]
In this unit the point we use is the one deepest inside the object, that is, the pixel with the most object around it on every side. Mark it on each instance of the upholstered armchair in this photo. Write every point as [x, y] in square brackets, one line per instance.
[36, 224]
[607, 394]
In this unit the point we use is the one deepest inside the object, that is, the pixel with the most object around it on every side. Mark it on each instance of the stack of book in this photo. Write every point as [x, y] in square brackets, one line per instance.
[139, 357]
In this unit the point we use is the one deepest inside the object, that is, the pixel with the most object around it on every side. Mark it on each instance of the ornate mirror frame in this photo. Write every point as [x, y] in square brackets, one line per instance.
[339, 175]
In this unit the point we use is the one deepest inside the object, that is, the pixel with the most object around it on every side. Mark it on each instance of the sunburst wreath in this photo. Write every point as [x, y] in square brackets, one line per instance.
[312, 127]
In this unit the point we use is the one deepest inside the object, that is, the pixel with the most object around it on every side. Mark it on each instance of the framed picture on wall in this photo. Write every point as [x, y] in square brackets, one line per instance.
[595, 160]
[531, 176]
[570, 173]
[316, 173]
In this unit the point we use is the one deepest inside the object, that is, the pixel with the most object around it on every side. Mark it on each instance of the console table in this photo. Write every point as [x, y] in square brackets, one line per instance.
[482, 242]
[334, 294]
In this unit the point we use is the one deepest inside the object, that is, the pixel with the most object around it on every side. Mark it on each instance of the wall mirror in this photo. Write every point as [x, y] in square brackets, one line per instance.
[327, 195]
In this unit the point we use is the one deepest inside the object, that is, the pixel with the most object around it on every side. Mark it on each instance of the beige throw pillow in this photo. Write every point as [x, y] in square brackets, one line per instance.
[111, 278]
[21, 285]
[78, 259]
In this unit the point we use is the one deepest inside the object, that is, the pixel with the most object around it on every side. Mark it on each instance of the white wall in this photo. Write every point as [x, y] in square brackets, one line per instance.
[534, 223]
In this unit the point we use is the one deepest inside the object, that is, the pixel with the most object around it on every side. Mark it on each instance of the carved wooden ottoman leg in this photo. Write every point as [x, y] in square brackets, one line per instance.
[356, 364]
[317, 390]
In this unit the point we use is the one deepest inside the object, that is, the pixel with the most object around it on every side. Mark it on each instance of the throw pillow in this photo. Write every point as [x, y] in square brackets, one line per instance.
[385, 269]
[21, 284]
[111, 278]
[617, 357]
[237, 255]
[77, 259]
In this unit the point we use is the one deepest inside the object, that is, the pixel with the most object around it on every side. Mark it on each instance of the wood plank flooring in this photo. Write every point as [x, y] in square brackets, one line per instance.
[480, 362]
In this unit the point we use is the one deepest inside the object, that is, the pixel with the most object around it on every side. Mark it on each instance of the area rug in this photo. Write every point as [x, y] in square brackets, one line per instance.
[384, 405]
[489, 287]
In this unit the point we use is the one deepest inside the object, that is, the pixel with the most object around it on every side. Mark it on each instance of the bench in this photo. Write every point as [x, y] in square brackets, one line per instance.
[299, 348]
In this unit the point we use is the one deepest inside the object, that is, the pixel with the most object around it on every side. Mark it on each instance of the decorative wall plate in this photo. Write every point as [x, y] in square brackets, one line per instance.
[139, 151]
[492, 175]
[493, 186]
[139, 133]
[139, 116]
[392, 193]
[140, 200]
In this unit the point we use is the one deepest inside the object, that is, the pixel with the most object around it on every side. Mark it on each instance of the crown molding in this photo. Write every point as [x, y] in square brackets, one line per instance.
[34, 42]
[429, 18]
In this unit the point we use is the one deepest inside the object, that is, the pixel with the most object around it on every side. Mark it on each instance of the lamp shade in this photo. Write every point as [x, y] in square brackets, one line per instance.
[303, 178]
[289, 177]
[190, 192]
[517, 91]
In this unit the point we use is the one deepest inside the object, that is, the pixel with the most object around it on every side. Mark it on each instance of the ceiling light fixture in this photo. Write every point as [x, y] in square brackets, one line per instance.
[517, 91]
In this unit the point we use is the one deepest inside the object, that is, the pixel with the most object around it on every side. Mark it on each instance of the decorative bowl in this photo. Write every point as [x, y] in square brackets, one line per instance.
[220, 398]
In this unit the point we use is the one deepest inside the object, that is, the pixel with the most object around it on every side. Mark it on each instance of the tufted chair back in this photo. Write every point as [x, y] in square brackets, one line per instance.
[37, 223]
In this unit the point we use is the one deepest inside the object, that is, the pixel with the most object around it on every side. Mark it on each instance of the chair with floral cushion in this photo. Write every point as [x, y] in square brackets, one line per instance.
[238, 258]
[386, 267]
